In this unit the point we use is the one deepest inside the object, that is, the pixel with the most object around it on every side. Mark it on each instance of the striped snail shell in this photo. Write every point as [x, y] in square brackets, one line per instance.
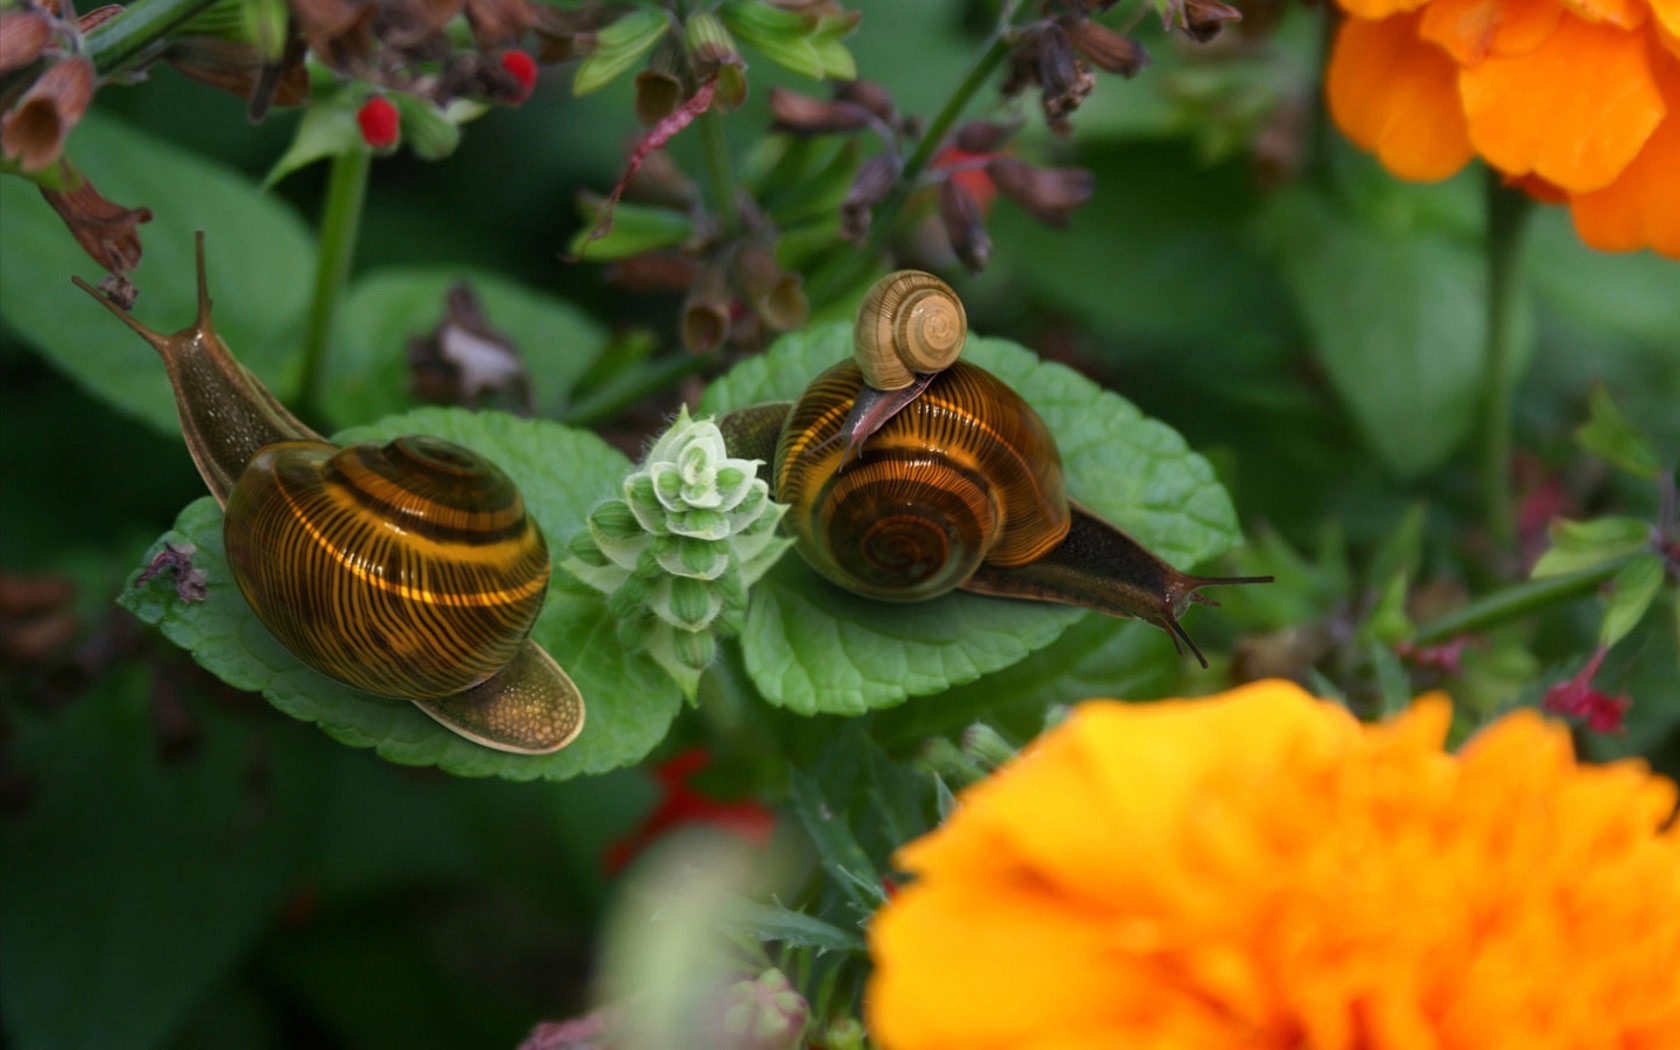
[965, 475]
[409, 569]
[910, 324]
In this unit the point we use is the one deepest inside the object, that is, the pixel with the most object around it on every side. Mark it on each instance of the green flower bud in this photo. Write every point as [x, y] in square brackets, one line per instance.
[694, 529]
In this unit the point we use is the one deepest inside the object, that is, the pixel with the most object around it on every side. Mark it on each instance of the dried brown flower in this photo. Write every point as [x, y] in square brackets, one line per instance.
[797, 114]
[964, 225]
[873, 181]
[774, 294]
[190, 581]
[32, 133]
[23, 36]
[706, 312]
[1201, 19]
[243, 69]
[1048, 194]
[870, 96]
[1104, 48]
[106, 231]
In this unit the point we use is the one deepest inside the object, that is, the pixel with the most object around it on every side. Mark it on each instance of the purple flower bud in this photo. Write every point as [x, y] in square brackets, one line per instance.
[1107, 50]
[874, 180]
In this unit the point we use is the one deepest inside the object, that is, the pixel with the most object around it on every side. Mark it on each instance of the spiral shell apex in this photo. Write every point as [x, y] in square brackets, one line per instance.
[409, 569]
[910, 323]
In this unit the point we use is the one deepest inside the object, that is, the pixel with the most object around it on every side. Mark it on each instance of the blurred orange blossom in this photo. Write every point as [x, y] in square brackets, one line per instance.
[1259, 869]
[1576, 100]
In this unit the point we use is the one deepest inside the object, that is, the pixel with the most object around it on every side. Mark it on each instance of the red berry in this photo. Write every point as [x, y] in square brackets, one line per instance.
[379, 121]
[524, 69]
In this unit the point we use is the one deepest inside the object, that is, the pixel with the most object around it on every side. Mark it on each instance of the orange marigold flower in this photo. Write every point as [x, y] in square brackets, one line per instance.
[1580, 95]
[1261, 870]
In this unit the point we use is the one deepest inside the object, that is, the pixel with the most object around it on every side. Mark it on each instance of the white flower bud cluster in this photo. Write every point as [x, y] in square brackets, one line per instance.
[676, 555]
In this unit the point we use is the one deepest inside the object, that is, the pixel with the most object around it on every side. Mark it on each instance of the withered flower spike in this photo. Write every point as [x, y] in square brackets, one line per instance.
[33, 132]
[873, 181]
[106, 231]
[868, 94]
[1048, 194]
[797, 114]
[1201, 19]
[965, 226]
[23, 36]
[1065, 80]
[983, 136]
[1108, 50]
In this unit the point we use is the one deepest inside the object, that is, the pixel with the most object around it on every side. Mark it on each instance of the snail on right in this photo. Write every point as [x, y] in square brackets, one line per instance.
[957, 484]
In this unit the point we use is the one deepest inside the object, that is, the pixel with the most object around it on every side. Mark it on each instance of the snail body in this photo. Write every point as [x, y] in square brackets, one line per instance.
[958, 487]
[409, 570]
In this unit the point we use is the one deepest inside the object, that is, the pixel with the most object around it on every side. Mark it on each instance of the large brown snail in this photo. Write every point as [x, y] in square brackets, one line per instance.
[959, 486]
[409, 570]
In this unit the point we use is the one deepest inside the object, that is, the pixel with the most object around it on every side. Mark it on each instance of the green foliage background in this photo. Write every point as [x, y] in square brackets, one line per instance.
[266, 886]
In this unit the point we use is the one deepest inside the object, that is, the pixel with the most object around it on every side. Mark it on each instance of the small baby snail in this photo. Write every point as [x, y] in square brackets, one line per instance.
[960, 487]
[409, 569]
[910, 327]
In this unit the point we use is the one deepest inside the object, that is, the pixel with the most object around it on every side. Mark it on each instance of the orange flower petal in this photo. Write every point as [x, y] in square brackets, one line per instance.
[1626, 14]
[1576, 110]
[1396, 96]
[1472, 29]
[1375, 9]
[1641, 209]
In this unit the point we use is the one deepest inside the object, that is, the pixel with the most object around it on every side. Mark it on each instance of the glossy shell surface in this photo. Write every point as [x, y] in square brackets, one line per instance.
[409, 569]
[966, 474]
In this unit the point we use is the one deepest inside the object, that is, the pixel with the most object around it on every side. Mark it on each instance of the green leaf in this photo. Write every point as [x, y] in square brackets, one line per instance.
[1631, 593]
[259, 253]
[1633, 294]
[134, 884]
[1397, 319]
[367, 367]
[773, 922]
[562, 473]
[811, 646]
[326, 130]
[617, 48]
[1402, 549]
[1609, 435]
[1578, 545]
[1388, 622]
[1096, 657]
[837, 849]
[786, 38]
[636, 228]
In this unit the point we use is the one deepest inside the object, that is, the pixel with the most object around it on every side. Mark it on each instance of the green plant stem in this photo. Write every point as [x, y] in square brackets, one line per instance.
[138, 33]
[1507, 212]
[1517, 601]
[341, 219]
[720, 177]
[853, 266]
